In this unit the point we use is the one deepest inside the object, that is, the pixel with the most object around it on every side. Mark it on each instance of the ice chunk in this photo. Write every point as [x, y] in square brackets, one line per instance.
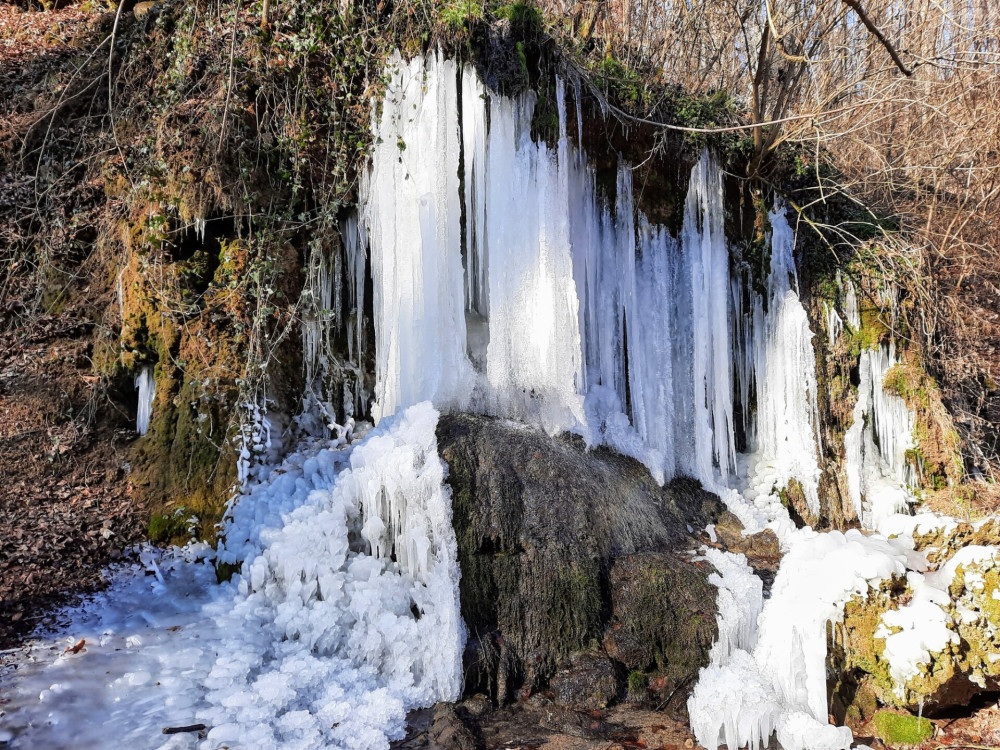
[146, 385]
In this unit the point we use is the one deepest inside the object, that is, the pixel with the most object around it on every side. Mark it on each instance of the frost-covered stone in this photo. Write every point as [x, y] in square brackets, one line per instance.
[928, 640]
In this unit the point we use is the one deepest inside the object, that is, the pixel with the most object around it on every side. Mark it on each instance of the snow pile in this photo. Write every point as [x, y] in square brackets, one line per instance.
[146, 385]
[344, 617]
[816, 579]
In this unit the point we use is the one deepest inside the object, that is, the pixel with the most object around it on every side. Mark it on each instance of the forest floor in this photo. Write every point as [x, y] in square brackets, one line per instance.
[66, 507]
[538, 724]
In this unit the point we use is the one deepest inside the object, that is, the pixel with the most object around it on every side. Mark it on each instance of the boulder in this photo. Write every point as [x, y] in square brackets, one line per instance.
[662, 615]
[548, 533]
[963, 660]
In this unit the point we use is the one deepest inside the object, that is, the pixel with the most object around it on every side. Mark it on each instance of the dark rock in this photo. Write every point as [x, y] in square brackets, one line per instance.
[540, 523]
[448, 732]
[589, 680]
[477, 705]
[663, 614]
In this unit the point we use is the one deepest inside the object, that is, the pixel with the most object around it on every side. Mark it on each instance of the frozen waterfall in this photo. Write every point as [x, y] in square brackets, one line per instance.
[553, 306]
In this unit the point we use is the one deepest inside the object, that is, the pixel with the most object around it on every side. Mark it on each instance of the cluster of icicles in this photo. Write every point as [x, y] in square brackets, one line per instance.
[553, 307]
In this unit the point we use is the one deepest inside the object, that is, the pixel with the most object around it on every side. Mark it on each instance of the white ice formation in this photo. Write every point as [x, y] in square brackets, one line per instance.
[556, 308]
[343, 617]
[145, 383]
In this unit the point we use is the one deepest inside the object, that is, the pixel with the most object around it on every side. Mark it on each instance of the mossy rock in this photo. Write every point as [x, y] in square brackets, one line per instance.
[937, 452]
[169, 528]
[901, 730]
[543, 528]
[968, 665]
[793, 497]
[663, 615]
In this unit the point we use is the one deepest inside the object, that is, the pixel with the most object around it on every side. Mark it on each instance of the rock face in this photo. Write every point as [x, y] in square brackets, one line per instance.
[565, 551]
[960, 662]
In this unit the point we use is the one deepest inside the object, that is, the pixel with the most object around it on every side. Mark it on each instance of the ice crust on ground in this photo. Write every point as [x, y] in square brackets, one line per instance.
[314, 645]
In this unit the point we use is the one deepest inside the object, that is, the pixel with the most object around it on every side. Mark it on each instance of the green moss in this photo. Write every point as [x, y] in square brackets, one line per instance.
[166, 528]
[638, 683]
[524, 15]
[910, 383]
[871, 333]
[862, 650]
[461, 13]
[901, 730]
[621, 82]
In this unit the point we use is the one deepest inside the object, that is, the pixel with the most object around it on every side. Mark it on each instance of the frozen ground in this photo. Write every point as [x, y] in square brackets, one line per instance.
[327, 638]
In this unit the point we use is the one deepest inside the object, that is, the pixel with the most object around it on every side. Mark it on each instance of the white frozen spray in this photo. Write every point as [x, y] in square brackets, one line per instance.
[314, 644]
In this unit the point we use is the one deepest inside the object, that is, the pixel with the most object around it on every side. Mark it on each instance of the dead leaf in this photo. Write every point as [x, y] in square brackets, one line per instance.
[77, 647]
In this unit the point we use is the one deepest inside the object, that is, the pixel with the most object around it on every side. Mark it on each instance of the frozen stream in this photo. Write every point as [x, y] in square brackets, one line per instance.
[323, 641]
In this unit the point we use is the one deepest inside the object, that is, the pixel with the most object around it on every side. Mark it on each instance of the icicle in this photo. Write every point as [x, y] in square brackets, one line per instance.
[850, 303]
[578, 100]
[474, 150]
[878, 473]
[146, 385]
[834, 323]
[787, 406]
[411, 214]
[704, 244]
[533, 367]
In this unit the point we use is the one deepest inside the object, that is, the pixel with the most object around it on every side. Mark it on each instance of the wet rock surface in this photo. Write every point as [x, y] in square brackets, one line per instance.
[565, 550]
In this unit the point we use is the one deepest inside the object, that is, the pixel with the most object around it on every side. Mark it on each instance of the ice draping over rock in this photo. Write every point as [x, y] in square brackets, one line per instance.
[572, 313]
[776, 680]
[411, 212]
